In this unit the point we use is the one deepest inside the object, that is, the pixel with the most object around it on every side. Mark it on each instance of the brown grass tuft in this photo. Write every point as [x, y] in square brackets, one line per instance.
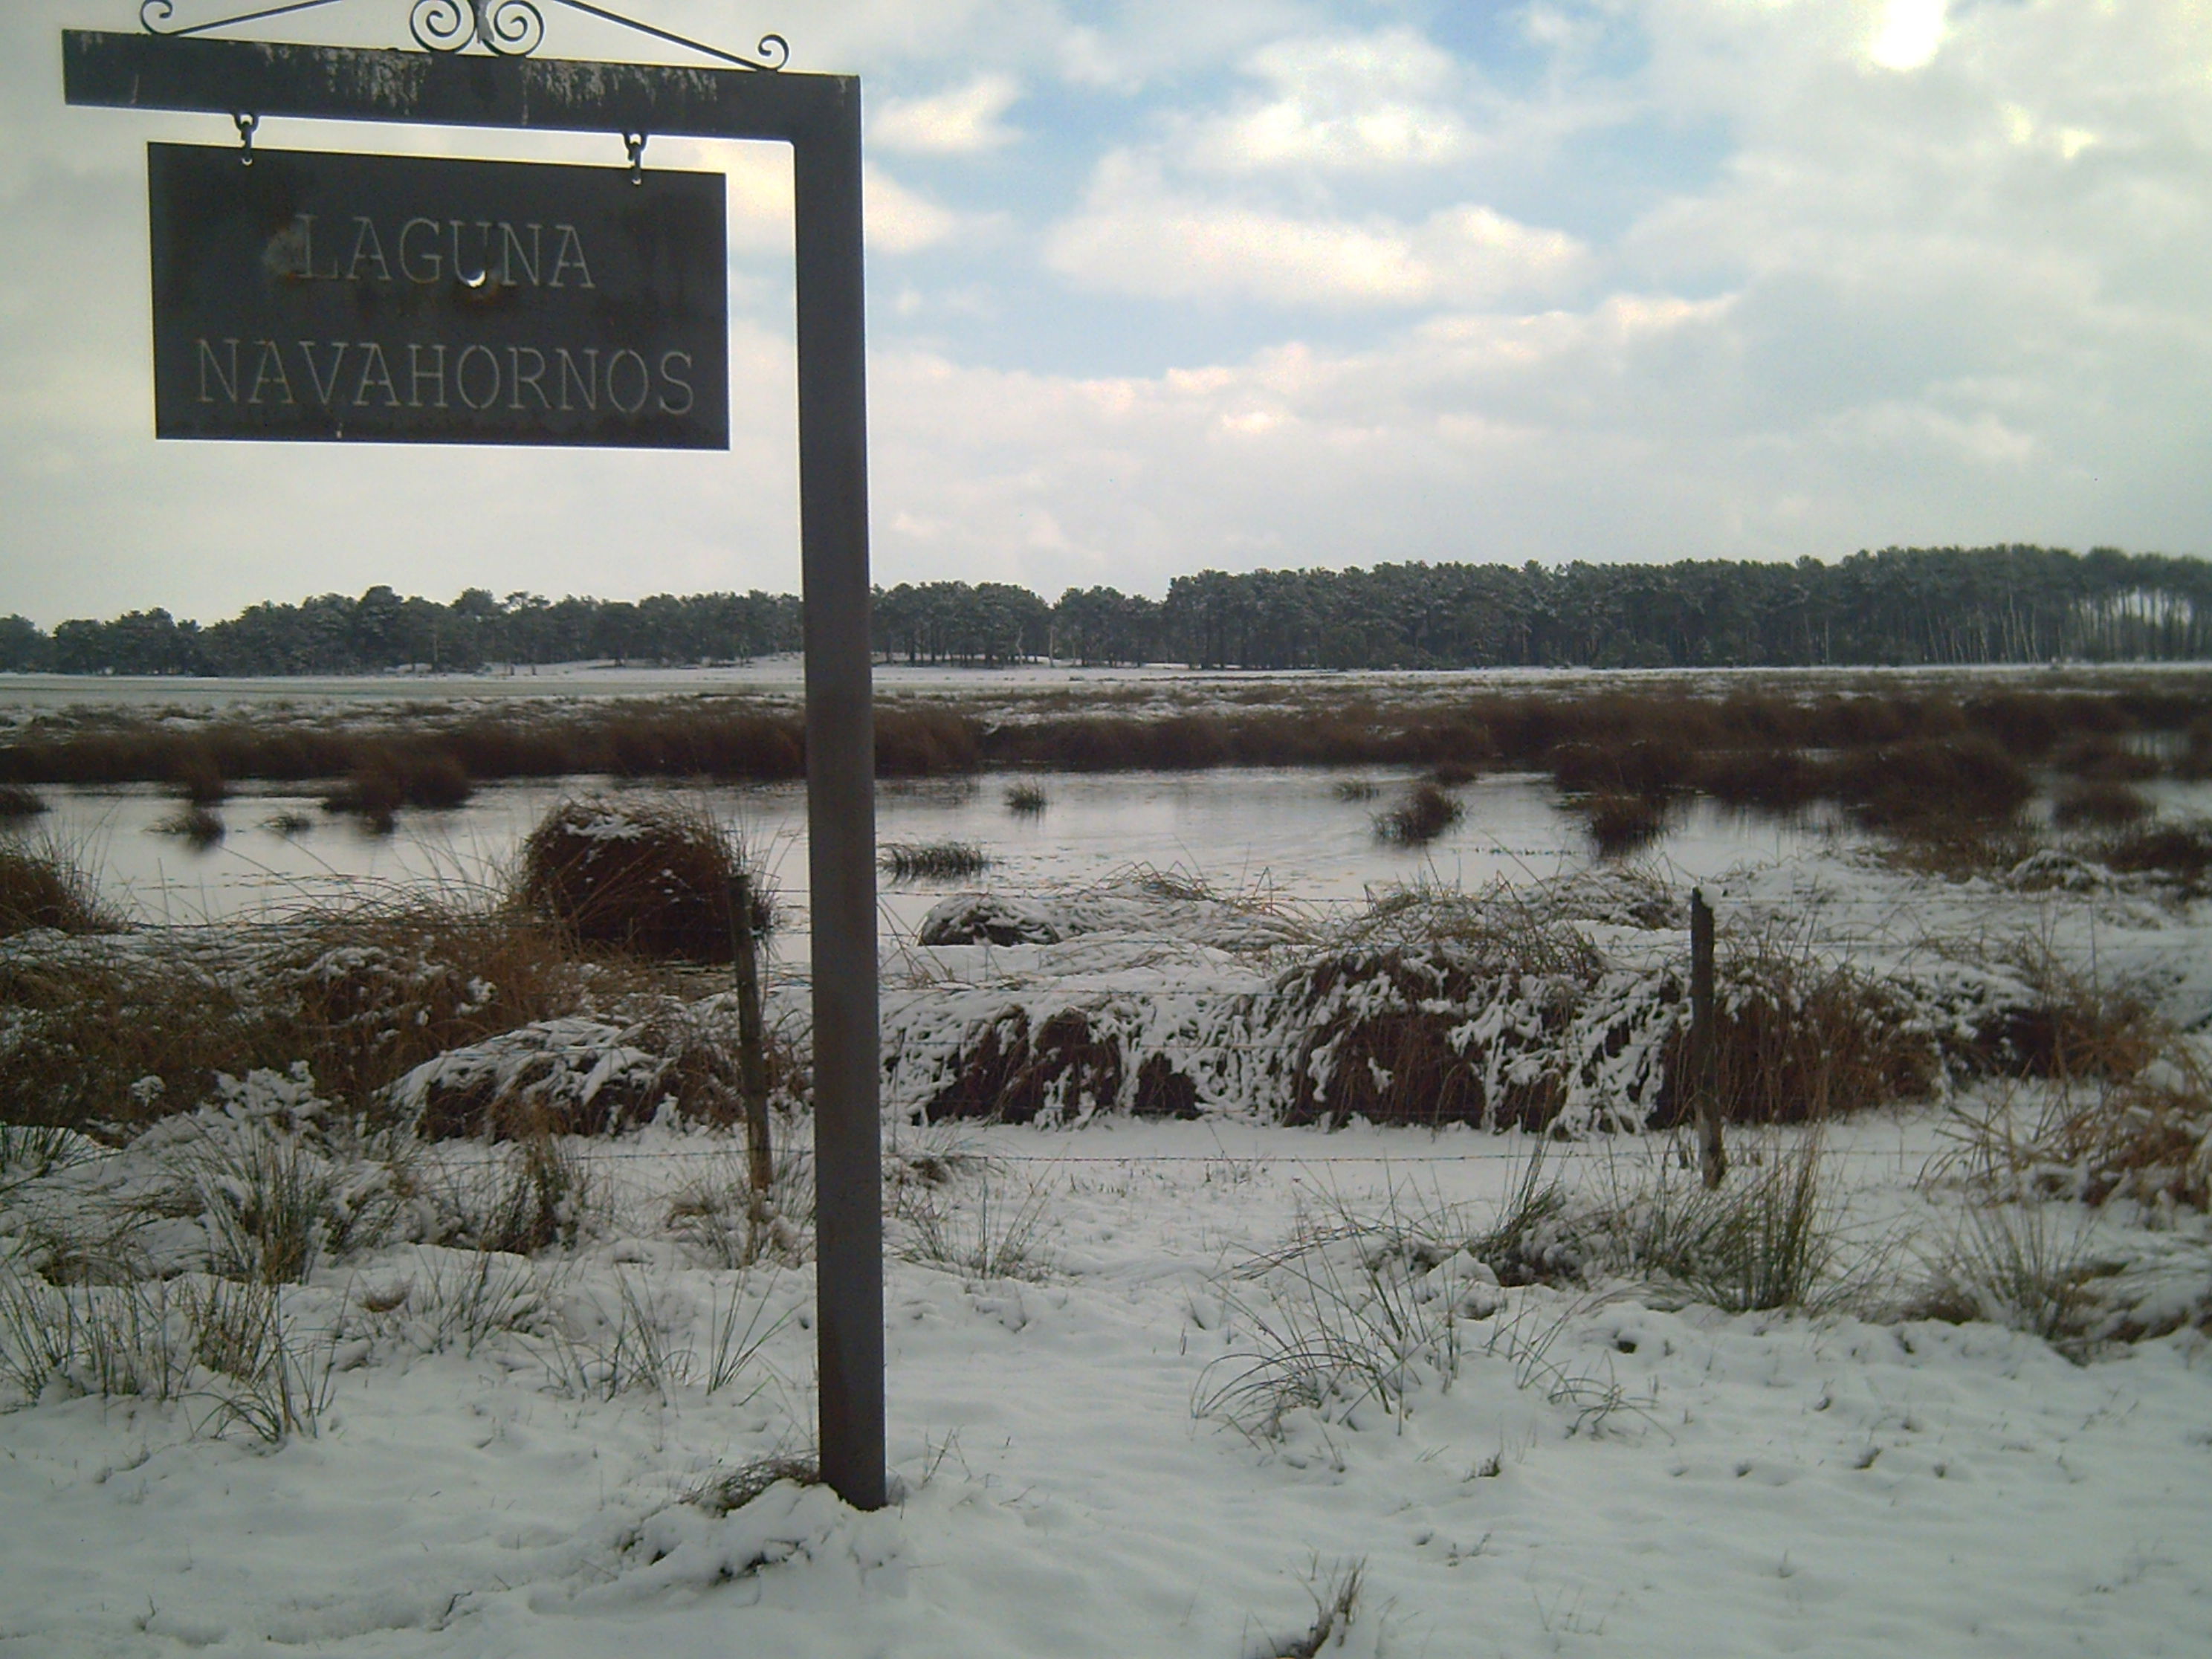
[1798, 1039]
[1934, 787]
[392, 776]
[17, 802]
[198, 776]
[1621, 825]
[1009, 1071]
[2179, 852]
[933, 860]
[41, 887]
[1423, 813]
[1774, 780]
[118, 1033]
[199, 825]
[2098, 805]
[652, 877]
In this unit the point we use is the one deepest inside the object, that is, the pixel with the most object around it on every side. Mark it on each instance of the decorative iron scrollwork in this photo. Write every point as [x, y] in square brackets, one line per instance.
[441, 25]
[154, 15]
[512, 28]
[509, 28]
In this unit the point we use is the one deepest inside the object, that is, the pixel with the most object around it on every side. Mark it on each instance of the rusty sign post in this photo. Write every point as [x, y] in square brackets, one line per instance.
[819, 117]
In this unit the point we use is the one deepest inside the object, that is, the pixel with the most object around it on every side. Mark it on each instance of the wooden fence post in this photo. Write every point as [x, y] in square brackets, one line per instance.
[752, 1054]
[1712, 1154]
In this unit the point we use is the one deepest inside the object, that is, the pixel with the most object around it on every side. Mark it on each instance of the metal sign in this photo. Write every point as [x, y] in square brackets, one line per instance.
[415, 300]
[819, 117]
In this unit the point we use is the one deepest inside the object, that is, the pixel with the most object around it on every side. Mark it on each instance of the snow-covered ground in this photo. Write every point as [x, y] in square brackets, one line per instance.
[1098, 1446]
[1602, 1475]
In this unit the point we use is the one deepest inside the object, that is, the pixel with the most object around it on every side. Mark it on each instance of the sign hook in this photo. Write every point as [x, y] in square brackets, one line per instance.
[635, 143]
[246, 126]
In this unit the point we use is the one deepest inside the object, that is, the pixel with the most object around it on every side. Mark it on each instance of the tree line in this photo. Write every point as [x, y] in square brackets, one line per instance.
[1901, 606]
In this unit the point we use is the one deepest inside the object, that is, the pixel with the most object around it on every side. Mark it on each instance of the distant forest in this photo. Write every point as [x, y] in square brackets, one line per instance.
[1902, 605]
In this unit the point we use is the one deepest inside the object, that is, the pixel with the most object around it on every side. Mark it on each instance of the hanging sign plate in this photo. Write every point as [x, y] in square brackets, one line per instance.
[395, 298]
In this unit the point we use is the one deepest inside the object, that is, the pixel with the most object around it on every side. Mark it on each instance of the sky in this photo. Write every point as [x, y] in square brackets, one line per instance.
[1155, 287]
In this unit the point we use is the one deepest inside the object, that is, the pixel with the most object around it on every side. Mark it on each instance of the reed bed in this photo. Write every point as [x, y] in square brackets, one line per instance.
[1907, 761]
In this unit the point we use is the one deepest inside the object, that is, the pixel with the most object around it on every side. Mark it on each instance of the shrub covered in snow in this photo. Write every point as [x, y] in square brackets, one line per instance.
[654, 877]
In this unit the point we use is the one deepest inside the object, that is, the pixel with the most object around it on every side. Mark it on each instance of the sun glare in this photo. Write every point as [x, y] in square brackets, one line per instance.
[1909, 35]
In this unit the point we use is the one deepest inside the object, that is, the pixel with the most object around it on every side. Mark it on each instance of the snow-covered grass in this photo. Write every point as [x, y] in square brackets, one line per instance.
[499, 1454]
[1928, 1372]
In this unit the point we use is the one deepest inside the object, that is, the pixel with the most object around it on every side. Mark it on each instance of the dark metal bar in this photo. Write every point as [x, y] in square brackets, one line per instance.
[343, 83]
[819, 115]
[775, 50]
[841, 799]
[146, 14]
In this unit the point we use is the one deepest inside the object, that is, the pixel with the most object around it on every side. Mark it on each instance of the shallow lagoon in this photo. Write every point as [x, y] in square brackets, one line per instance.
[1278, 830]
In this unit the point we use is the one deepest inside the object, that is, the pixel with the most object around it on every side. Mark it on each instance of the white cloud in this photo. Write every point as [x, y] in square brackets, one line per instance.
[1856, 302]
[1339, 104]
[1637, 429]
[902, 220]
[1137, 235]
[965, 121]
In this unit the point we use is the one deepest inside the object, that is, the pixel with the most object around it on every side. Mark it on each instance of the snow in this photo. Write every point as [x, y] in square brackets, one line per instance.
[498, 1454]
[1605, 1474]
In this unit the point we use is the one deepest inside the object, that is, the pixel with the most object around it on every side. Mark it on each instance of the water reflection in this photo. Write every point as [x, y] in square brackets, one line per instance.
[1290, 831]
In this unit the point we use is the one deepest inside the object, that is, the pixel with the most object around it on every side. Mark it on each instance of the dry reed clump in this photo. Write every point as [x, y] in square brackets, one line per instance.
[1935, 786]
[1423, 813]
[933, 860]
[2061, 1025]
[17, 803]
[1017, 1064]
[197, 775]
[2099, 757]
[2098, 805]
[1799, 1040]
[1455, 1032]
[1010, 1072]
[111, 1035]
[1654, 768]
[391, 776]
[2129, 1115]
[364, 999]
[41, 886]
[1499, 928]
[649, 877]
[2148, 1138]
[2195, 761]
[685, 743]
[1027, 800]
[198, 826]
[926, 743]
[575, 1074]
[1621, 824]
[1768, 780]
[2180, 853]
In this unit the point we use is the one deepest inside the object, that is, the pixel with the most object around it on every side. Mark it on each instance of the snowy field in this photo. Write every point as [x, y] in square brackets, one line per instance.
[1602, 1474]
[1229, 1385]
[1106, 1435]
